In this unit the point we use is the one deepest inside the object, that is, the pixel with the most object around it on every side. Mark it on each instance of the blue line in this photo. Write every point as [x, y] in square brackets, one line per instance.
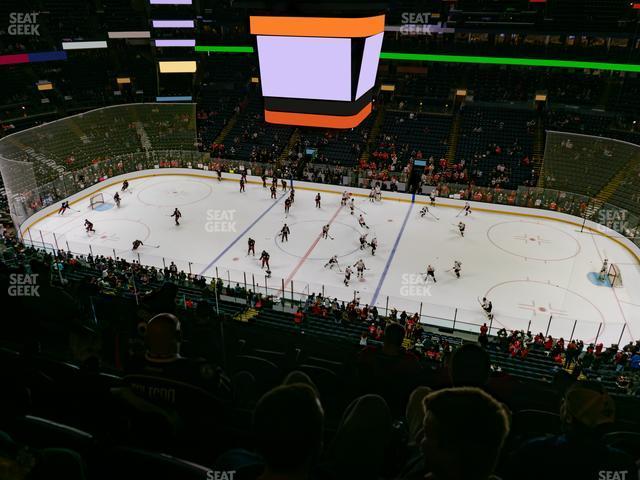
[215, 260]
[393, 252]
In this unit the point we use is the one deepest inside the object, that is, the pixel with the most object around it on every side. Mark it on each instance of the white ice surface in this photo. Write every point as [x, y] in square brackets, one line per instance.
[530, 268]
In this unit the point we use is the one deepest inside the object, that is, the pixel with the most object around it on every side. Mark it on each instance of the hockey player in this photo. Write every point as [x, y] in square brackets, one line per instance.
[345, 198]
[461, 227]
[362, 223]
[242, 184]
[283, 182]
[360, 268]
[424, 210]
[251, 249]
[372, 195]
[287, 205]
[136, 244]
[176, 213]
[63, 208]
[325, 231]
[116, 198]
[457, 266]
[333, 262]
[88, 226]
[467, 209]
[431, 272]
[363, 241]
[604, 269]
[377, 192]
[284, 233]
[219, 172]
[347, 276]
[487, 306]
[374, 245]
[125, 185]
[264, 180]
[264, 259]
[352, 205]
[318, 199]
[432, 197]
[273, 191]
[292, 195]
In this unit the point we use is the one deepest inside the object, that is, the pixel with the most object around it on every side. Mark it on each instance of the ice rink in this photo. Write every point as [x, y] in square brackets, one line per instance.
[533, 269]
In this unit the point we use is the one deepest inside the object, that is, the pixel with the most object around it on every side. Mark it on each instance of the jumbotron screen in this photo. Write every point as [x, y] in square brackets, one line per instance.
[318, 71]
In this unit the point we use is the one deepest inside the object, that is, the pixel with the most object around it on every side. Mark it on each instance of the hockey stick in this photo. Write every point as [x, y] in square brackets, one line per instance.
[432, 215]
[460, 212]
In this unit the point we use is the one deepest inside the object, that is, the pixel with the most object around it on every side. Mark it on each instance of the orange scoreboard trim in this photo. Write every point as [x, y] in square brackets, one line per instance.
[316, 120]
[317, 26]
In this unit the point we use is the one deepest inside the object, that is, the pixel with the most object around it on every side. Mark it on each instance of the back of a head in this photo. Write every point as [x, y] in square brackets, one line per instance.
[586, 408]
[288, 423]
[469, 366]
[465, 429]
[162, 336]
[394, 335]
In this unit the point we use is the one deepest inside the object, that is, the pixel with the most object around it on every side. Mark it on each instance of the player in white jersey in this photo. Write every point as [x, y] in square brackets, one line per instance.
[374, 245]
[461, 227]
[362, 223]
[378, 194]
[347, 275]
[372, 195]
[604, 269]
[360, 268]
[467, 209]
[431, 272]
[345, 198]
[457, 266]
[432, 197]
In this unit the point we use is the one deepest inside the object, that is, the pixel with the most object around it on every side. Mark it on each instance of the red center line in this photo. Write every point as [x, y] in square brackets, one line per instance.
[309, 250]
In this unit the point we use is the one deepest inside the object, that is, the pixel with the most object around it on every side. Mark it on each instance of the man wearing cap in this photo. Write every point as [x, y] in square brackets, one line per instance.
[580, 452]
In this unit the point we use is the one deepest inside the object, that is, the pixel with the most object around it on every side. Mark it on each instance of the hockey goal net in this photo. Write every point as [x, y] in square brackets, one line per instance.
[615, 279]
[95, 200]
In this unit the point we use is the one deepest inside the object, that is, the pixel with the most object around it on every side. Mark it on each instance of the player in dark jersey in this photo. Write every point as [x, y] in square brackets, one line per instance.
[176, 213]
[63, 208]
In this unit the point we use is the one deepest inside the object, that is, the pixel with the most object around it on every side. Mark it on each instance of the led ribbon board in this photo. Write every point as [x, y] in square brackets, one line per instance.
[318, 71]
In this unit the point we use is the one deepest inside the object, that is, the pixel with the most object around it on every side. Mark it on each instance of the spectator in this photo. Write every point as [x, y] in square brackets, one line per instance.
[162, 359]
[390, 371]
[462, 436]
[469, 366]
[288, 422]
[585, 411]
